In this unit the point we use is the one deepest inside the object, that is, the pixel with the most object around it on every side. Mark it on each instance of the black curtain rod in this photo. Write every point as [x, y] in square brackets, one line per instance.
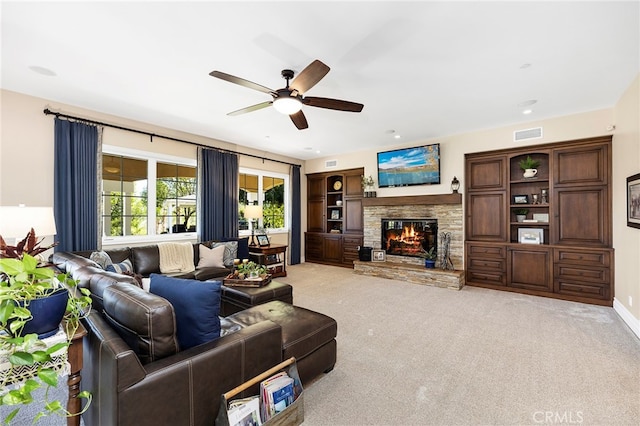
[47, 111]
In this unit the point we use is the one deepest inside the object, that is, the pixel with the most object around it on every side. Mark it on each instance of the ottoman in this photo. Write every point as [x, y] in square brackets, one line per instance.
[235, 299]
[307, 335]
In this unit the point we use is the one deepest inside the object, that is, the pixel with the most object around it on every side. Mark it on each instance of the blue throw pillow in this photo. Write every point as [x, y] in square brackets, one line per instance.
[196, 305]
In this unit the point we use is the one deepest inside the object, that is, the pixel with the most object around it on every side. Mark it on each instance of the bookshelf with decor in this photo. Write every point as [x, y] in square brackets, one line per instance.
[563, 247]
[334, 217]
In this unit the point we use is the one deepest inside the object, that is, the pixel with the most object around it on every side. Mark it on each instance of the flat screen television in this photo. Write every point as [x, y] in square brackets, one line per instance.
[409, 166]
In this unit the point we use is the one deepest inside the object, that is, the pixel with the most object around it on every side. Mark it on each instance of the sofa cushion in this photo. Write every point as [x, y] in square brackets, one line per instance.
[145, 321]
[243, 246]
[211, 257]
[146, 260]
[101, 258]
[196, 305]
[230, 252]
[124, 267]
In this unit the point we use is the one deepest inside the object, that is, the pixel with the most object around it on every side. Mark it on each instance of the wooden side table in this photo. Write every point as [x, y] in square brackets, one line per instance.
[73, 381]
[273, 256]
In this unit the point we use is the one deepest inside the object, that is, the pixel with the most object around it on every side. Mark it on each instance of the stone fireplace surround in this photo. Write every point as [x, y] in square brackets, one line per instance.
[447, 208]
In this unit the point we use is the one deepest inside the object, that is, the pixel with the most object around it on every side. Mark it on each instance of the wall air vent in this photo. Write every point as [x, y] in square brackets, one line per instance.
[521, 135]
[330, 164]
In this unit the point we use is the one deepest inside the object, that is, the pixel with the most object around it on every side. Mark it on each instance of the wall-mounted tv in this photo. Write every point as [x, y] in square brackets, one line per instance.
[409, 166]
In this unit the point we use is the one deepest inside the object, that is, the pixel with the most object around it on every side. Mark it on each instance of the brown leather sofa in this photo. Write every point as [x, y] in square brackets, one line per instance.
[144, 259]
[136, 372]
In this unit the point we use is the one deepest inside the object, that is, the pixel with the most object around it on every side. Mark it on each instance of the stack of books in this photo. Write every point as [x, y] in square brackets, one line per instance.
[276, 394]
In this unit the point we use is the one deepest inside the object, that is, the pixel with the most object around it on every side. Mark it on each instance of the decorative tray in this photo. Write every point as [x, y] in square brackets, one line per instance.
[231, 281]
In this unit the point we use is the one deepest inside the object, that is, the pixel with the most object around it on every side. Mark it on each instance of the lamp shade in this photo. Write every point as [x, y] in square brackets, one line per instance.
[287, 105]
[16, 222]
[253, 212]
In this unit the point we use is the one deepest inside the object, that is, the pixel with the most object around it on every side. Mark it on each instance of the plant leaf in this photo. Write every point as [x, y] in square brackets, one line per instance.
[49, 376]
[21, 358]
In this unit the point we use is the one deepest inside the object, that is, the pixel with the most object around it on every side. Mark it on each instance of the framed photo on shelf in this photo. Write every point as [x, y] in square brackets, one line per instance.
[541, 217]
[378, 256]
[633, 201]
[520, 199]
[335, 214]
[263, 240]
[530, 235]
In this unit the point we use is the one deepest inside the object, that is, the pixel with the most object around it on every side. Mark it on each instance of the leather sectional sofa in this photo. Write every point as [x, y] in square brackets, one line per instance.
[135, 369]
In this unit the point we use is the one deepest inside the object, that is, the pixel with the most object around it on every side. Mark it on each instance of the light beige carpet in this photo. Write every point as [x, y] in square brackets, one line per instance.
[416, 355]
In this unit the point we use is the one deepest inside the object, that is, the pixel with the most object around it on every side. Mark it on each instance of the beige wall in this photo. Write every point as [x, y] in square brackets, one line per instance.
[26, 148]
[626, 240]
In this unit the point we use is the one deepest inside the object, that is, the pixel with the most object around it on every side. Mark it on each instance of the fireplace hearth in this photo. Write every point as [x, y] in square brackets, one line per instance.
[407, 237]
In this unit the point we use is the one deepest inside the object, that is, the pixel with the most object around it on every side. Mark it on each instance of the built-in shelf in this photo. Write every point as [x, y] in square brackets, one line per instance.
[413, 200]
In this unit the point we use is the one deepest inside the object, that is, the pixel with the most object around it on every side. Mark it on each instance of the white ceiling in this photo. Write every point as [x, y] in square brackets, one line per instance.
[422, 69]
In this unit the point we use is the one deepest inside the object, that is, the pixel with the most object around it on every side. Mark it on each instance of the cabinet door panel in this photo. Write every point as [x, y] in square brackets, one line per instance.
[486, 174]
[530, 268]
[582, 216]
[315, 216]
[333, 248]
[315, 187]
[585, 165]
[353, 185]
[486, 216]
[353, 219]
[313, 247]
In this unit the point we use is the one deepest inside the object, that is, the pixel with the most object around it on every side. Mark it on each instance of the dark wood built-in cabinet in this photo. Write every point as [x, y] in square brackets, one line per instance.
[334, 217]
[574, 259]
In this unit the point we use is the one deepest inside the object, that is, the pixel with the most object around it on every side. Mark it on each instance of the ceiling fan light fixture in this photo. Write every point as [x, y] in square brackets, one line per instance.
[287, 105]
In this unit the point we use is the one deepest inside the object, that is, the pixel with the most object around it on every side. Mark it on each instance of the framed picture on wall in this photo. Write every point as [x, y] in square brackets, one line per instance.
[633, 201]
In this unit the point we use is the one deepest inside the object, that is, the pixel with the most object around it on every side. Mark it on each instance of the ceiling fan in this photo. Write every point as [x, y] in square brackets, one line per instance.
[290, 99]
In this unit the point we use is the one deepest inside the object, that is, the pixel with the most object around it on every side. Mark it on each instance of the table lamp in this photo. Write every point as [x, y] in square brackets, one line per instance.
[253, 213]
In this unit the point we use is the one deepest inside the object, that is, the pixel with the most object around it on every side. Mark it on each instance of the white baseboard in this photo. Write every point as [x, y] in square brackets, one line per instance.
[627, 317]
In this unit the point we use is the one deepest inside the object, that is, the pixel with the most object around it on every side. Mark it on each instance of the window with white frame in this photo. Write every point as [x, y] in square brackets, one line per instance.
[146, 194]
[270, 191]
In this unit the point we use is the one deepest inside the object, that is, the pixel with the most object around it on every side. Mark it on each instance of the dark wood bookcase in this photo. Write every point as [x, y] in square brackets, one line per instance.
[570, 197]
[334, 217]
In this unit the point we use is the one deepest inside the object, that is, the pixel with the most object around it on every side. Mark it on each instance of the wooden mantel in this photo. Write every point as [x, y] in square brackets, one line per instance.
[413, 200]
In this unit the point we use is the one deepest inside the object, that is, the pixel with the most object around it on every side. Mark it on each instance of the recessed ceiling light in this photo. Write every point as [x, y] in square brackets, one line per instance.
[527, 111]
[397, 136]
[42, 71]
[318, 151]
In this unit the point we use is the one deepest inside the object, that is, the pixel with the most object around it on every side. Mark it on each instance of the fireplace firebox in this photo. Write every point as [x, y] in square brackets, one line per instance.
[406, 237]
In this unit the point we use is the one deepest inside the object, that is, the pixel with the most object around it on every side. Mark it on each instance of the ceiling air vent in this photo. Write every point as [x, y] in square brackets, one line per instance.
[330, 164]
[521, 135]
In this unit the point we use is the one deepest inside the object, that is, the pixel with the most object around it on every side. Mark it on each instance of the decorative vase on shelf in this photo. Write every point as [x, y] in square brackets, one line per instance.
[521, 217]
[529, 173]
[429, 264]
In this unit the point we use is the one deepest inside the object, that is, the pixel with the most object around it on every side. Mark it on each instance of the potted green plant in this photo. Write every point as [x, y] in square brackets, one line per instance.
[521, 214]
[368, 182]
[530, 166]
[250, 270]
[429, 257]
[25, 284]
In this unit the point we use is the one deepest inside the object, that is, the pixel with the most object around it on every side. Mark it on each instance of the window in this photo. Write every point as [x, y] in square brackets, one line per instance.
[134, 181]
[267, 189]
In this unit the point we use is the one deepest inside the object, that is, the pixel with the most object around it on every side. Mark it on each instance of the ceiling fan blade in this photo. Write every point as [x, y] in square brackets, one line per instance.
[309, 77]
[299, 120]
[336, 104]
[251, 108]
[241, 81]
